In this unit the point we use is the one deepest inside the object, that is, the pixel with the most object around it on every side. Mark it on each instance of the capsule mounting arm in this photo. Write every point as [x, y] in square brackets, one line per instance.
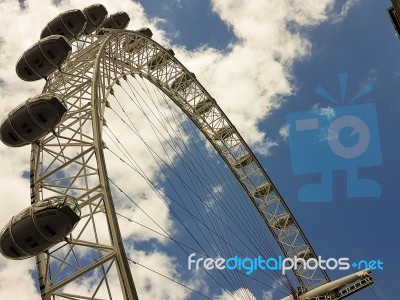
[337, 289]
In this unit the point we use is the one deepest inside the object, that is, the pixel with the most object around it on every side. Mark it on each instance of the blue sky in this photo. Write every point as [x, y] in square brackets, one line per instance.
[205, 25]
[226, 50]
[365, 46]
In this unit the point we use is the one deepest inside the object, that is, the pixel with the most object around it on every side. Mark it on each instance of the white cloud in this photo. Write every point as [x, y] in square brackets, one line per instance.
[158, 287]
[269, 295]
[172, 4]
[15, 282]
[345, 9]
[327, 112]
[249, 80]
[284, 131]
[238, 294]
[372, 80]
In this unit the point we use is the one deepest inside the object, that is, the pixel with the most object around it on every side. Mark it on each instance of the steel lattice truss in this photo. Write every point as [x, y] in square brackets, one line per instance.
[71, 161]
[130, 54]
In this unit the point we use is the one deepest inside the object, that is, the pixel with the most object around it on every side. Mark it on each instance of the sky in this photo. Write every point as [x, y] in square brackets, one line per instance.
[263, 62]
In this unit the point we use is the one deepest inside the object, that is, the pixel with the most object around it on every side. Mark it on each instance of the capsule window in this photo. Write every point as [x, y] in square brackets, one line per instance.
[70, 24]
[50, 230]
[60, 31]
[28, 239]
[26, 128]
[15, 251]
[51, 54]
[42, 118]
[13, 137]
[38, 63]
[27, 71]
[34, 244]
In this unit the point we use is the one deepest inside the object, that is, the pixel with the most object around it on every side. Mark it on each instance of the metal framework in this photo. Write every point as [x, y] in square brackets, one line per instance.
[394, 12]
[71, 161]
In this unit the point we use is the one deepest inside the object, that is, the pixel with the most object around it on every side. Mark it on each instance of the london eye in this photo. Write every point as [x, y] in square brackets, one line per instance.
[87, 180]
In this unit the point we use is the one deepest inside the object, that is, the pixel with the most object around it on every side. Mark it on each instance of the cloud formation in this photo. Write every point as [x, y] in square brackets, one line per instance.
[248, 79]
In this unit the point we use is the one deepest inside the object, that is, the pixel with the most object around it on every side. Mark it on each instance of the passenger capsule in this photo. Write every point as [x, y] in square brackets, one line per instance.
[95, 15]
[43, 58]
[159, 59]
[223, 133]
[305, 254]
[32, 120]
[262, 190]
[183, 81]
[39, 227]
[135, 43]
[204, 106]
[118, 20]
[283, 222]
[243, 161]
[145, 31]
[69, 24]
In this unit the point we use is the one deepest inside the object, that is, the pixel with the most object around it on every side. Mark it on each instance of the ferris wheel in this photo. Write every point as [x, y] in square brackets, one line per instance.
[95, 72]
